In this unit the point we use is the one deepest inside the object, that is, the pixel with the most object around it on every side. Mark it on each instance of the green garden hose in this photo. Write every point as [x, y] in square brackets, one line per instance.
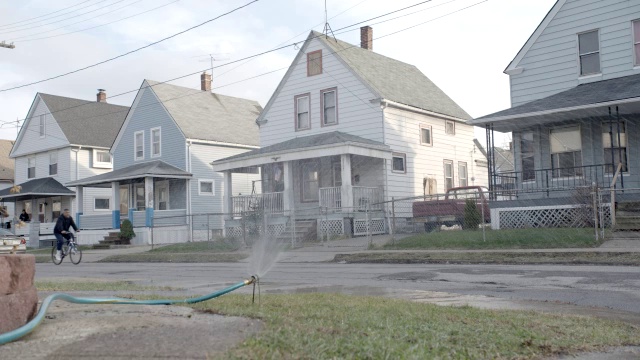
[31, 325]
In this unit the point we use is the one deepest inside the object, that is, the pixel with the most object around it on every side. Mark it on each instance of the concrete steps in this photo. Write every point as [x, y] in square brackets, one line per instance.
[113, 238]
[627, 221]
[305, 231]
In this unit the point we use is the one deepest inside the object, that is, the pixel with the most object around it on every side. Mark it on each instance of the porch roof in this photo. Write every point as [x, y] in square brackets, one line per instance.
[583, 101]
[156, 168]
[306, 147]
[43, 187]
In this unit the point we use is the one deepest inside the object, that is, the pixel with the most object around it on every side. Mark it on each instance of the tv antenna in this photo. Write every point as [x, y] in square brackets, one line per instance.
[327, 27]
[212, 58]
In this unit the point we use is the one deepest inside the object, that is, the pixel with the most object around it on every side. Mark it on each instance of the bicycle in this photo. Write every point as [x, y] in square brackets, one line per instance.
[69, 247]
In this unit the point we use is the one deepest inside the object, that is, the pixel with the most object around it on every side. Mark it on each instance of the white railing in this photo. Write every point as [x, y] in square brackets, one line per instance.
[366, 198]
[169, 217]
[331, 197]
[269, 203]
[103, 221]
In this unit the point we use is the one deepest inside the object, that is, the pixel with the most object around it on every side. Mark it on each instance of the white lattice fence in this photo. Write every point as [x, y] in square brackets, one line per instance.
[360, 227]
[234, 232]
[275, 230]
[571, 216]
[332, 227]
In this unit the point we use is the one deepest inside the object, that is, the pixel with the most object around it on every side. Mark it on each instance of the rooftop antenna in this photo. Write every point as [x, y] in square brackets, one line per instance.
[212, 58]
[327, 27]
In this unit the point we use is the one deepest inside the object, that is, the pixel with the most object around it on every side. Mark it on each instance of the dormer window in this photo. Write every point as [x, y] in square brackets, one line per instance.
[589, 51]
[314, 63]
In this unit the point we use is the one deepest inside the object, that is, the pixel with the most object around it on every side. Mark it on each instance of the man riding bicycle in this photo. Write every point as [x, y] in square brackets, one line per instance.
[61, 231]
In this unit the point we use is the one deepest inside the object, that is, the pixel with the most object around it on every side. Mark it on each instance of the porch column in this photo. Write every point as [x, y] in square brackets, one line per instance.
[34, 226]
[79, 204]
[228, 194]
[115, 205]
[288, 198]
[131, 203]
[346, 191]
[148, 200]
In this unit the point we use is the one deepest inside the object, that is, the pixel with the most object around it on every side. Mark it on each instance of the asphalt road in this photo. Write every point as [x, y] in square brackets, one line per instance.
[607, 287]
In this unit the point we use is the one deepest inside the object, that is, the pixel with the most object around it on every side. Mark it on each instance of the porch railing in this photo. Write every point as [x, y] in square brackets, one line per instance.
[331, 197]
[270, 202]
[366, 198]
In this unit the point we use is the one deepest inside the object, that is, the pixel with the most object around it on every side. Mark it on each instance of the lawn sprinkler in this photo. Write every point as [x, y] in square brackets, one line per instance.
[31, 325]
[256, 281]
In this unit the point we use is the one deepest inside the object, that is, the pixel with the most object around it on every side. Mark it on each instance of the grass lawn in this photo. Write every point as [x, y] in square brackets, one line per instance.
[175, 258]
[500, 239]
[327, 326]
[198, 247]
[47, 251]
[85, 285]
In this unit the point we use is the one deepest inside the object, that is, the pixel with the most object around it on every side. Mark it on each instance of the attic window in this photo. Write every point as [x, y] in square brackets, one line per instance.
[102, 159]
[314, 63]
[42, 125]
[589, 48]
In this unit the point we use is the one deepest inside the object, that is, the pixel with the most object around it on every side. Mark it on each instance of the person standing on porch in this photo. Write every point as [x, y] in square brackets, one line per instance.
[61, 231]
[24, 217]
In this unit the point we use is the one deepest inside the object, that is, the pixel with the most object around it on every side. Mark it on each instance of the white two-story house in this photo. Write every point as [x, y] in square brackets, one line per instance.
[347, 129]
[162, 176]
[575, 115]
[62, 140]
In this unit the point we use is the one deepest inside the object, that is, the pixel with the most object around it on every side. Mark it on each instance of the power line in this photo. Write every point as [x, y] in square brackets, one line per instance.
[132, 51]
[51, 13]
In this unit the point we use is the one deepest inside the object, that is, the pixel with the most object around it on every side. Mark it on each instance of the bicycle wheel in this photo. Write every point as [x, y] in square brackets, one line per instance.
[75, 254]
[53, 256]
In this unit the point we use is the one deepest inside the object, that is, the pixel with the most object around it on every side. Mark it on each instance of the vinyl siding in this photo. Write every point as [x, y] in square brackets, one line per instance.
[147, 113]
[356, 114]
[85, 170]
[31, 142]
[402, 134]
[551, 65]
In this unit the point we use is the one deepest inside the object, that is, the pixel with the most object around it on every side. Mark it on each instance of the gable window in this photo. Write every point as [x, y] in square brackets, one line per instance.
[463, 178]
[566, 151]
[329, 106]
[636, 42]
[206, 187]
[42, 125]
[53, 163]
[615, 152]
[139, 145]
[448, 174]
[314, 63]
[31, 167]
[310, 181]
[302, 105]
[102, 159]
[450, 127]
[526, 156]
[589, 52]
[425, 135]
[399, 163]
[155, 142]
[101, 204]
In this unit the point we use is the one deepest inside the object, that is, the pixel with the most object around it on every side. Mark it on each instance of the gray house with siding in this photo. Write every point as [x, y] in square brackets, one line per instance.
[575, 93]
[161, 175]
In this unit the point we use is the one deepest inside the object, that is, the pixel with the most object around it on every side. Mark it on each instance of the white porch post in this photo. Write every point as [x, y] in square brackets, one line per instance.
[288, 198]
[346, 191]
[148, 200]
[34, 226]
[115, 205]
[228, 194]
[79, 204]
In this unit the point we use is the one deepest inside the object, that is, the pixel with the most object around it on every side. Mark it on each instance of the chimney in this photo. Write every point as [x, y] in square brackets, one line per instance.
[205, 82]
[101, 95]
[366, 37]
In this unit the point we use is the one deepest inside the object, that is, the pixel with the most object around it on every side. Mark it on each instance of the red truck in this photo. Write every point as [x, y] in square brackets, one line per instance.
[450, 210]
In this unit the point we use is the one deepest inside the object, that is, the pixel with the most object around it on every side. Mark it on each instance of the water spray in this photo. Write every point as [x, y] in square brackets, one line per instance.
[31, 325]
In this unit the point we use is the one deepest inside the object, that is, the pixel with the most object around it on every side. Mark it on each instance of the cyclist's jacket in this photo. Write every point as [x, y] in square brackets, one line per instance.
[63, 224]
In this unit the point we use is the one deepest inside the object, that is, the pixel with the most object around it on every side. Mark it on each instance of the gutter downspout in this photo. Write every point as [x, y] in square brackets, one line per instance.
[189, 210]
[383, 106]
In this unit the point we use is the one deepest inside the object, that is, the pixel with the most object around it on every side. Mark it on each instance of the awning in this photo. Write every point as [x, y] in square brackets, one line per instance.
[590, 100]
[305, 147]
[36, 188]
[156, 168]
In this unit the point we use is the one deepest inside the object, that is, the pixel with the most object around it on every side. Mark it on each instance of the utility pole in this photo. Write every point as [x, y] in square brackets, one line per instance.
[8, 46]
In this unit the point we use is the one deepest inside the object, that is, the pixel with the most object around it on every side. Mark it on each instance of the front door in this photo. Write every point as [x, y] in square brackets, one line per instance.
[138, 194]
[124, 200]
[162, 195]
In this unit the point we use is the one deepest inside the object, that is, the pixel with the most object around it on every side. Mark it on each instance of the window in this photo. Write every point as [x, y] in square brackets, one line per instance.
[448, 174]
[302, 104]
[56, 210]
[139, 145]
[102, 159]
[124, 200]
[462, 174]
[53, 163]
[314, 63]
[450, 127]
[566, 151]
[310, 181]
[206, 187]
[589, 52]
[425, 135]
[162, 195]
[101, 204]
[42, 125]
[329, 106]
[636, 41]
[155, 142]
[399, 163]
[31, 168]
[615, 149]
[139, 197]
[526, 156]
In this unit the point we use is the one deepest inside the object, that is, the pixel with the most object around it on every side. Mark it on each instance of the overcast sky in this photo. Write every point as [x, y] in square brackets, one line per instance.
[464, 53]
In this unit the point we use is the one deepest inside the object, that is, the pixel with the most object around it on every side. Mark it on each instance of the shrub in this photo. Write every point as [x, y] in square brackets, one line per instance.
[126, 231]
[472, 217]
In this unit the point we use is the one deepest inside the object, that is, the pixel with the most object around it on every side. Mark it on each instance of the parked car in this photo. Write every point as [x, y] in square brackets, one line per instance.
[450, 210]
[10, 243]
